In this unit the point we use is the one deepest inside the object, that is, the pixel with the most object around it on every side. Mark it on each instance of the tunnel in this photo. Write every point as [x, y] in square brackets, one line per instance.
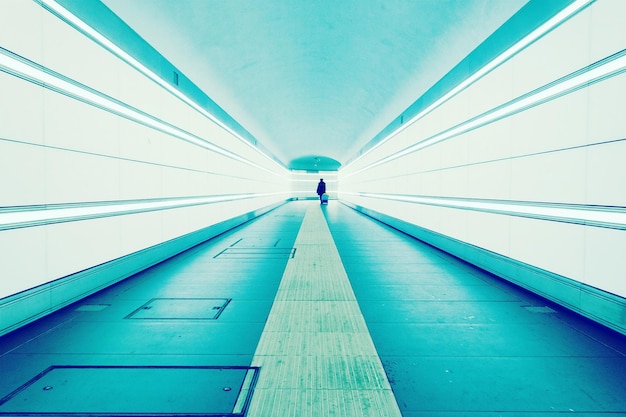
[165, 249]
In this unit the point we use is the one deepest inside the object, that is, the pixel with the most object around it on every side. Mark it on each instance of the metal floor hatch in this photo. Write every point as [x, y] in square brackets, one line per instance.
[140, 391]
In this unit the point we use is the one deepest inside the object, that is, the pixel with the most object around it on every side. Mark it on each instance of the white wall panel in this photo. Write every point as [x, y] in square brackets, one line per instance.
[489, 180]
[451, 113]
[137, 142]
[71, 124]
[140, 92]
[606, 110]
[455, 181]
[605, 183]
[493, 90]
[177, 153]
[139, 181]
[26, 18]
[605, 263]
[21, 105]
[491, 142]
[454, 223]
[555, 125]
[22, 269]
[137, 231]
[431, 183]
[606, 17]
[564, 50]
[423, 161]
[429, 125]
[22, 168]
[454, 151]
[61, 45]
[74, 246]
[490, 231]
[73, 177]
[553, 246]
[550, 177]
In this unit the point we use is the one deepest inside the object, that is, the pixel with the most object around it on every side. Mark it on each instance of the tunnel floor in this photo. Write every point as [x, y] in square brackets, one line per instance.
[388, 323]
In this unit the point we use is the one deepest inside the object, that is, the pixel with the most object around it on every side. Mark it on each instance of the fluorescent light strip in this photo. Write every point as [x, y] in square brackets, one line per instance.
[29, 217]
[49, 79]
[568, 85]
[614, 218]
[556, 20]
[65, 14]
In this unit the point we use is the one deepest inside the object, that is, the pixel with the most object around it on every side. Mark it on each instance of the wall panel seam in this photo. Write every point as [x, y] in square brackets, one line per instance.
[137, 161]
[508, 158]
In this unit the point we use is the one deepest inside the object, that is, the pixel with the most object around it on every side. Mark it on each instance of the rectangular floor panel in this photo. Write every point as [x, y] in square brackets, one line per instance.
[529, 385]
[180, 309]
[140, 391]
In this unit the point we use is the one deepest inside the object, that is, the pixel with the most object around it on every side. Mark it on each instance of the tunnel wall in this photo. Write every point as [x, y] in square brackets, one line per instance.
[106, 167]
[519, 170]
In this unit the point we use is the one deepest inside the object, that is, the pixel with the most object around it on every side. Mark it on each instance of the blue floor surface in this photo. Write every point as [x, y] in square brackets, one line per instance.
[454, 340]
[457, 341]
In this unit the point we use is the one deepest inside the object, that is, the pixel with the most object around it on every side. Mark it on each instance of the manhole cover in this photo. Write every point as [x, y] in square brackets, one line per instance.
[138, 391]
[181, 309]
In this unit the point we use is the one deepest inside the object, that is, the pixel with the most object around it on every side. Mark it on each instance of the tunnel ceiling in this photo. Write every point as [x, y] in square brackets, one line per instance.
[314, 78]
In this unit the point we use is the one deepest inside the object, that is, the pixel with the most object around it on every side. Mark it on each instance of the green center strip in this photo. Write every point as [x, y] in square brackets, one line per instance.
[316, 355]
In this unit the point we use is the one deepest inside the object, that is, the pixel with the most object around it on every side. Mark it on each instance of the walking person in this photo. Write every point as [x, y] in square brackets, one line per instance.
[321, 189]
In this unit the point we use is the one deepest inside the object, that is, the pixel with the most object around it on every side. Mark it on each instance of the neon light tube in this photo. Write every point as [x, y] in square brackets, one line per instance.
[560, 212]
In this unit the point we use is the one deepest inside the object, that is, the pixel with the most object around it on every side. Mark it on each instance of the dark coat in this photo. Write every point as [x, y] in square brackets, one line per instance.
[321, 188]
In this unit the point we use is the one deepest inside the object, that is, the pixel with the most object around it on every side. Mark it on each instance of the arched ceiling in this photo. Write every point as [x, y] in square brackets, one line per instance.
[314, 163]
[314, 78]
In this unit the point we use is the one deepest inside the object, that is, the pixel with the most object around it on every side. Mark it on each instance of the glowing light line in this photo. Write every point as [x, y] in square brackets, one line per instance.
[611, 217]
[14, 218]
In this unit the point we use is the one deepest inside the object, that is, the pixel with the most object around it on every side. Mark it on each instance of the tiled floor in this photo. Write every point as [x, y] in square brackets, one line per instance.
[453, 340]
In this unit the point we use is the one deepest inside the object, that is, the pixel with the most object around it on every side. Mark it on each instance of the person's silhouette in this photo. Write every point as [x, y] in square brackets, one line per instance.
[321, 189]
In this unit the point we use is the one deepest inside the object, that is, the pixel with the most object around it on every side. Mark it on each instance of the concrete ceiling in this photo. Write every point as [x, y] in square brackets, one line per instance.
[314, 80]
